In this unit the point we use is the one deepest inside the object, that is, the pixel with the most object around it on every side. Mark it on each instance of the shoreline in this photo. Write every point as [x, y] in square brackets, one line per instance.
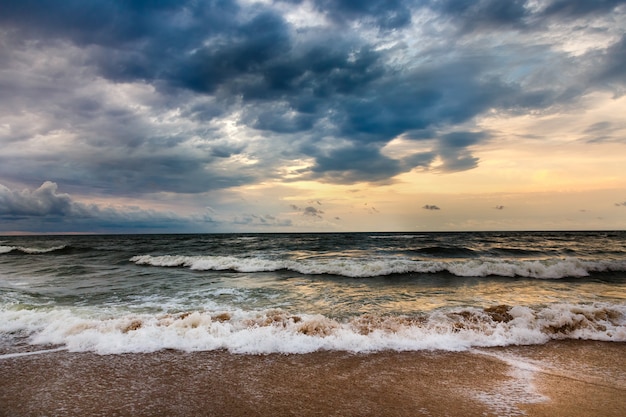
[560, 378]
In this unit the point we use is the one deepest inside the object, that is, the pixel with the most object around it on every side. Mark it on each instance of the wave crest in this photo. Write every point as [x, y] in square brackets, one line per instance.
[364, 268]
[32, 250]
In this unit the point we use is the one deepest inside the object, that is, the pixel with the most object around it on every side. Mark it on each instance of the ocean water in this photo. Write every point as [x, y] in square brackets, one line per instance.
[299, 293]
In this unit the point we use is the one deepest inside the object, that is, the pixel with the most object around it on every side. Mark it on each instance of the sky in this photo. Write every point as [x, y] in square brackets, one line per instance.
[202, 116]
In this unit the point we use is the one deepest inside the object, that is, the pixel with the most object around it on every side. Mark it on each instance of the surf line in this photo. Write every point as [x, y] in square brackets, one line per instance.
[36, 352]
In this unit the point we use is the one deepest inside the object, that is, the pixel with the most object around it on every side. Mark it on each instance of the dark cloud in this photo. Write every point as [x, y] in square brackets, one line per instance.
[260, 220]
[312, 212]
[387, 14]
[354, 163]
[577, 8]
[460, 140]
[430, 207]
[453, 150]
[484, 14]
[47, 209]
[97, 22]
[623, 204]
[614, 68]
[137, 172]
[384, 14]
[598, 127]
[309, 211]
[44, 201]
[603, 132]
[521, 15]
[246, 50]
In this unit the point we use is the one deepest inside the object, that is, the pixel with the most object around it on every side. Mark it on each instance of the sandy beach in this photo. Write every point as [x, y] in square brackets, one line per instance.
[567, 378]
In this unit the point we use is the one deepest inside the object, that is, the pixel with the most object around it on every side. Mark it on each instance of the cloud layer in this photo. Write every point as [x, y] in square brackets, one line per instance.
[134, 97]
[59, 212]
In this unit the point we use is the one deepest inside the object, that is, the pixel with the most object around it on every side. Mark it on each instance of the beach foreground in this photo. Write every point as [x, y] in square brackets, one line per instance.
[563, 378]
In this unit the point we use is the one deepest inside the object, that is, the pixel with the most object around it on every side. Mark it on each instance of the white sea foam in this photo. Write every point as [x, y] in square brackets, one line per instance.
[268, 331]
[362, 268]
[30, 353]
[6, 249]
[29, 250]
[507, 396]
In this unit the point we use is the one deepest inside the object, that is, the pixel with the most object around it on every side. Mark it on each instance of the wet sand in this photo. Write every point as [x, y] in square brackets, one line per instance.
[568, 378]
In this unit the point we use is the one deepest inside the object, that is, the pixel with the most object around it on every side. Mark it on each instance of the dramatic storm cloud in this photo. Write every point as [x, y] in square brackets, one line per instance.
[179, 104]
[58, 212]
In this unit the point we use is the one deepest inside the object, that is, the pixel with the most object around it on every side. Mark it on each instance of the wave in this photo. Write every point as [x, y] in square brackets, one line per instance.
[364, 268]
[446, 251]
[519, 252]
[277, 330]
[397, 236]
[33, 250]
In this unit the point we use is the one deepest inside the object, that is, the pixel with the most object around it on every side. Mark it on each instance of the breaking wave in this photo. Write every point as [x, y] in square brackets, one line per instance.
[363, 268]
[33, 250]
[276, 330]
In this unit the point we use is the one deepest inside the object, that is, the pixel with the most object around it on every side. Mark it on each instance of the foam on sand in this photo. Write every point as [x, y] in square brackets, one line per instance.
[492, 382]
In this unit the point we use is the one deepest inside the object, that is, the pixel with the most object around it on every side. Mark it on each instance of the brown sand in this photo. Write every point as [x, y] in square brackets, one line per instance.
[557, 379]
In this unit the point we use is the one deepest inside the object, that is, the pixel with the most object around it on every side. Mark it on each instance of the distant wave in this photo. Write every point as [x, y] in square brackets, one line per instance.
[519, 252]
[396, 236]
[445, 251]
[33, 250]
[276, 330]
[364, 268]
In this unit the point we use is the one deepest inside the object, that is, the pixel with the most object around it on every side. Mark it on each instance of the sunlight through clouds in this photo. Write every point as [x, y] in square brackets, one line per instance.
[250, 107]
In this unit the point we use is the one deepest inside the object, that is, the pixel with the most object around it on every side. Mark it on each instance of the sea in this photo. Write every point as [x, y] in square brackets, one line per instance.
[298, 293]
